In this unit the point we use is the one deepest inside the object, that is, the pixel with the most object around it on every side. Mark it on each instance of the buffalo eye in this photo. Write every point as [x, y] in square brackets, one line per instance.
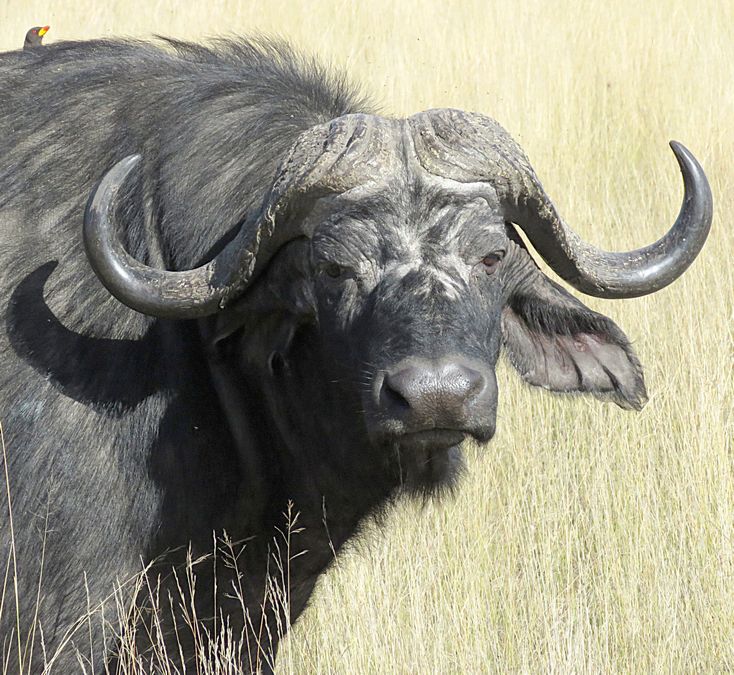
[491, 262]
[332, 269]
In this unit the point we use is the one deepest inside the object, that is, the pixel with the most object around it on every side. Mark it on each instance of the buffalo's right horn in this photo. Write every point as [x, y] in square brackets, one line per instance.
[325, 159]
[179, 295]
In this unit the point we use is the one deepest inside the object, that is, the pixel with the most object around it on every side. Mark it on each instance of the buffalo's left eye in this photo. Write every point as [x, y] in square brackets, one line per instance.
[491, 262]
[333, 269]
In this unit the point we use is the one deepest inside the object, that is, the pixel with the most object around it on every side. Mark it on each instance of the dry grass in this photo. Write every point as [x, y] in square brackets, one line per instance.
[585, 538]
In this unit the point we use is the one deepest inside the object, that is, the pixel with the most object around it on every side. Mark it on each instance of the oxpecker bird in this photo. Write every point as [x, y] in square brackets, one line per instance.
[34, 37]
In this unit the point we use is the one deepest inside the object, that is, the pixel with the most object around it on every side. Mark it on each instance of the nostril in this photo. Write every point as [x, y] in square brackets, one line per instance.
[474, 383]
[276, 363]
[393, 397]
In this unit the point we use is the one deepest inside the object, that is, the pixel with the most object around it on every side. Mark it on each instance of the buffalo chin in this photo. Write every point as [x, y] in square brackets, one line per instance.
[430, 462]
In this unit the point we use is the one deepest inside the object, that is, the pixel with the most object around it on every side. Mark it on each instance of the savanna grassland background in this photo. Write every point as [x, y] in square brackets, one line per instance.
[584, 538]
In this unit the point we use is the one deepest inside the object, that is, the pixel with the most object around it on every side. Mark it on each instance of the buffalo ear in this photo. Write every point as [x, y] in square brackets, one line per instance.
[556, 342]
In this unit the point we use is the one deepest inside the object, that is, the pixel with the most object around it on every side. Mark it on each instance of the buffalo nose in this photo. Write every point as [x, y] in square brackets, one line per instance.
[432, 394]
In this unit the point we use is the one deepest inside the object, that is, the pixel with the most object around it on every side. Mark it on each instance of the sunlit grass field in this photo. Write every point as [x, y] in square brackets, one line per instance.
[584, 538]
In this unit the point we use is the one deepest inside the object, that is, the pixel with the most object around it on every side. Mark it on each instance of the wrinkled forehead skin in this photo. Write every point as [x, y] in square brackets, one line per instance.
[359, 156]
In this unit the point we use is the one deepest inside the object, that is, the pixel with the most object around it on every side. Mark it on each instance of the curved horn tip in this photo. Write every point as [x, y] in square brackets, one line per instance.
[692, 170]
[684, 156]
[112, 180]
[677, 146]
[102, 194]
[681, 151]
[124, 167]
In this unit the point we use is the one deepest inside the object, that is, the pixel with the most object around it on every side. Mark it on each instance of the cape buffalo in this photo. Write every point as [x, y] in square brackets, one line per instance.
[275, 302]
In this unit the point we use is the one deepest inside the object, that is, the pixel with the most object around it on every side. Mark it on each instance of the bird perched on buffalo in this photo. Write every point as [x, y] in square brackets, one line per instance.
[34, 37]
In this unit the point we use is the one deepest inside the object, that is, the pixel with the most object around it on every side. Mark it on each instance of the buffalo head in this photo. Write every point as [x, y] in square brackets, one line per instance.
[383, 274]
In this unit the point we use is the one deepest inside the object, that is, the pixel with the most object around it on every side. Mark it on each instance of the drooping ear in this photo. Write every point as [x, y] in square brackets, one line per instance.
[556, 342]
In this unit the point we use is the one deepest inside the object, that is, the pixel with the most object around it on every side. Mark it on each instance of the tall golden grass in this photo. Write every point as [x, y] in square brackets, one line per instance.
[584, 538]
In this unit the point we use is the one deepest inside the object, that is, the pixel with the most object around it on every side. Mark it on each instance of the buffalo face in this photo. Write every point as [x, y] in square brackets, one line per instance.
[409, 290]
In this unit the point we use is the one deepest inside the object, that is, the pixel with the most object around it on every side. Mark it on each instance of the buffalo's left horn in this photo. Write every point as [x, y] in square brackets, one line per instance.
[323, 160]
[178, 295]
[608, 274]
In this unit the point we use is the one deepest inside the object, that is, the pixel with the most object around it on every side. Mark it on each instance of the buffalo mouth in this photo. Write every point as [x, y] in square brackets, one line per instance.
[430, 460]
